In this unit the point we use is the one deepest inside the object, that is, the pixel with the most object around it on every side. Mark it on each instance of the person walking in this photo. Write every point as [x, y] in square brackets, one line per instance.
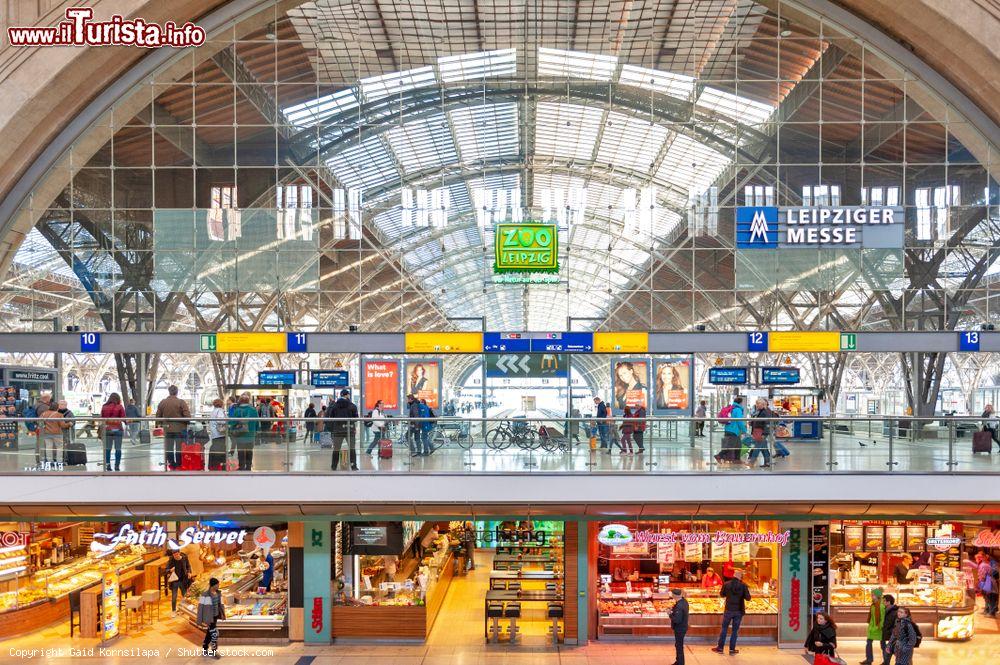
[679, 623]
[736, 594]
[211, 610]
[178, 572]
[822, 639]
[760, 429]
[341, 422]
[243, 432]
[426, 427]
[888, 625]
[990, 423]
[174, 411]
[310, 425]
[132, 413]
[113, 430]
[628, 426]
[413, 426]
[700, 413]
[377, 418]
[217, 436]
[68, 432]
[876, 617]
[905, 637]
[603, 428]
[639, 427]
[50, 433]
[734, 432]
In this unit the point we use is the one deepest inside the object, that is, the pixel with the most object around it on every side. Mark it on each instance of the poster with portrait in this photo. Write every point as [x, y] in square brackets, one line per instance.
[380, 381]
[423, 379]
[672, 379]
[629, 383]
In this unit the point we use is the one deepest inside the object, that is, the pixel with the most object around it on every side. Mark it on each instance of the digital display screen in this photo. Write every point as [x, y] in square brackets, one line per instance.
[779, 375]
[276, 378]
[330, 378]
[373, 538]
[727, 376]
[366, 536]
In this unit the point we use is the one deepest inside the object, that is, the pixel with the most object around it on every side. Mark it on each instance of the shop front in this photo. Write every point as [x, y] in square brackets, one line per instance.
[104, 579]
[634, 567]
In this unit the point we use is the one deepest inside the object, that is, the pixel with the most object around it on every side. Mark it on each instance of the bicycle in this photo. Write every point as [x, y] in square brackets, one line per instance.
[507, 434]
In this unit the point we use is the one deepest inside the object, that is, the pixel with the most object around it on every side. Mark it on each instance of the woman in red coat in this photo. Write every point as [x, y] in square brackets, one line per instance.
[113, 430]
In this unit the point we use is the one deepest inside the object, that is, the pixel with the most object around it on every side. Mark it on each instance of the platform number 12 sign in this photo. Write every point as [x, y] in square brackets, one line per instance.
[757, 342]
[968, 341]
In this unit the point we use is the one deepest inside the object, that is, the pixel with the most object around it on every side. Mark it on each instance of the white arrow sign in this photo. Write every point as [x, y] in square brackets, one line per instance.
[524, 364]
[514, 363]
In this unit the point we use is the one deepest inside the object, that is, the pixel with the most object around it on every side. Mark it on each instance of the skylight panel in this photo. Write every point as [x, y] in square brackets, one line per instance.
[667, 83]
[576, 64]
[423, 144]
[486, 132]
[483, 64]
[364, 165]
[395, 83]
[566, 130]
[630, 142]
[743, 110]
[691, 165]
[316, 110]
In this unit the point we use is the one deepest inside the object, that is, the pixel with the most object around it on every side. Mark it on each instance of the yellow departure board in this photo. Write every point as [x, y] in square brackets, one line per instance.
[444, 342]
[251, 342]
[803, 341]
[621, 342]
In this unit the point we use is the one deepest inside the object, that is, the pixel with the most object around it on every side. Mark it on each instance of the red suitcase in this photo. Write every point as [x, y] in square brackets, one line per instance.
[982, 442]
[385, 448]
[192, 457]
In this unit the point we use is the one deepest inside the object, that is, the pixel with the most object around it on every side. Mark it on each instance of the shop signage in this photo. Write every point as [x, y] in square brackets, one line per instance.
[22, 375]
[264, 537]
[528, 247]
[769, 227]
[316, 552]
[110, 600]
[156, 536]
[984, 538]
[793, 618]
[945, 543]
[619, 534]
[13, 539]
[317, 615]
[820, 567]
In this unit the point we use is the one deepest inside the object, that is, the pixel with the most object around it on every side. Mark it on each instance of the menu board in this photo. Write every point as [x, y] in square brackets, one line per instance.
[8, 408]
[109, 603]
[895, 538]
[853, 538]
[820, 567]
[720, 552]
[874, 539]
[916, 538]
[666, 553]
[741, 552]
[693, 552]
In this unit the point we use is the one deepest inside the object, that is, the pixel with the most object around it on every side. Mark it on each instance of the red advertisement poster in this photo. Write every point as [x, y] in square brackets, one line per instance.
[381, 383]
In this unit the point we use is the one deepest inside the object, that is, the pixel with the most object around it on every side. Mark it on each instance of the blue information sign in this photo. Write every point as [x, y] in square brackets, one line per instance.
[90, 342]
[279, 378]
[727, 376]
[327, 378]
[773, 376]
[757, 342]
[968, 341]
[565, 342]
[297, 342]
[497, 342]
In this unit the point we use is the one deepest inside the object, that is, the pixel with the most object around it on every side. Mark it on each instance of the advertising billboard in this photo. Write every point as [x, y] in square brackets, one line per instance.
[672, 379]
[630, 383]
[380, 382]
[423, 379]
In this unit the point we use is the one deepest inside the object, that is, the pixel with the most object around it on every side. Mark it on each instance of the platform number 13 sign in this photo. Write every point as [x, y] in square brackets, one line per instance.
[968, 341]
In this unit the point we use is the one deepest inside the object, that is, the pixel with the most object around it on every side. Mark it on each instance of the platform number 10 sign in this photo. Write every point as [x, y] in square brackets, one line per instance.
[90, 342]
[968, 341]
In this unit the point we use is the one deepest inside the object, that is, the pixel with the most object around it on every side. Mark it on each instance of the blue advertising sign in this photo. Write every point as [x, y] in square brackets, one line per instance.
[728, 376]
[563, 342]
[968, 341]
[498, 342]
[757, 342]
[774, 376]
[328, 378]
[279, 378]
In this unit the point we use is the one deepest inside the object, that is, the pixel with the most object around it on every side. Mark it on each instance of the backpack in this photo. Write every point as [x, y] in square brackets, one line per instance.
[31, 412]
[725, 413]
[239, 427]
[916, 631]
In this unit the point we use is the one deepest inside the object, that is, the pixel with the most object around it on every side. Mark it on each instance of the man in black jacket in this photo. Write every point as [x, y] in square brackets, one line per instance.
[413, 427]
[888, 623]
[679, 623]
[736, 594]
[341, 422]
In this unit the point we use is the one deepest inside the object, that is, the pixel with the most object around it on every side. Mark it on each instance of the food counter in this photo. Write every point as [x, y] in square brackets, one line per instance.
[251, 613]
[43, 597]
[645, 612]
[943, 612]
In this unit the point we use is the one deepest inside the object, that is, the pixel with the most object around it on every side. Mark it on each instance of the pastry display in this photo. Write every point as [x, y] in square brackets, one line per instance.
[956, 627]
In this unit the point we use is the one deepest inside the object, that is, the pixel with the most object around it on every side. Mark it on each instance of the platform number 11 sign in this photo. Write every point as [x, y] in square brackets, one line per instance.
[968, 341]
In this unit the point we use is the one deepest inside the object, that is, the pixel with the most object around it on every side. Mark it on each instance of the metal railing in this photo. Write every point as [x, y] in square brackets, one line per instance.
[801, 444]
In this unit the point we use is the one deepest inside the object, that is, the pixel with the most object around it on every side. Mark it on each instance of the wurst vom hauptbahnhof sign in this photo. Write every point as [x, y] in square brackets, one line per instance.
[835, 227]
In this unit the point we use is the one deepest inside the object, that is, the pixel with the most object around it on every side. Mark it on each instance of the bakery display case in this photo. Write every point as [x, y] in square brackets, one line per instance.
[247, 608]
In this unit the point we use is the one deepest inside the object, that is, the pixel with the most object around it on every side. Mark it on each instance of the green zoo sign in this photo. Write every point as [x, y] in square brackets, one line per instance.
[526, 248]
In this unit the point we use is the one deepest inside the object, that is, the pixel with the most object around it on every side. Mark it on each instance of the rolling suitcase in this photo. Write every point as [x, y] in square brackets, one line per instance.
[76, 454]
[192, 457]
[982, 442]
[385, 448]
[325, 440]
[144, 437]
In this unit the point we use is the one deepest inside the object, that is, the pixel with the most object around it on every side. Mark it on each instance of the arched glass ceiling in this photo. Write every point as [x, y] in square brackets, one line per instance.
[607, 152]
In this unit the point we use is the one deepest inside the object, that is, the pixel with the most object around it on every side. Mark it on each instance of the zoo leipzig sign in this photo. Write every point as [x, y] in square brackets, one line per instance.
[842, 227]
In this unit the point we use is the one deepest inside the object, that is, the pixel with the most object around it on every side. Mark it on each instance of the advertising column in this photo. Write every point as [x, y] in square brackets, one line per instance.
[794, 618]
[316, 574]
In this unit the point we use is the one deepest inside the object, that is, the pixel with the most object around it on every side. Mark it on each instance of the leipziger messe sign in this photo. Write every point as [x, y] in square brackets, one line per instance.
[829, 227]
